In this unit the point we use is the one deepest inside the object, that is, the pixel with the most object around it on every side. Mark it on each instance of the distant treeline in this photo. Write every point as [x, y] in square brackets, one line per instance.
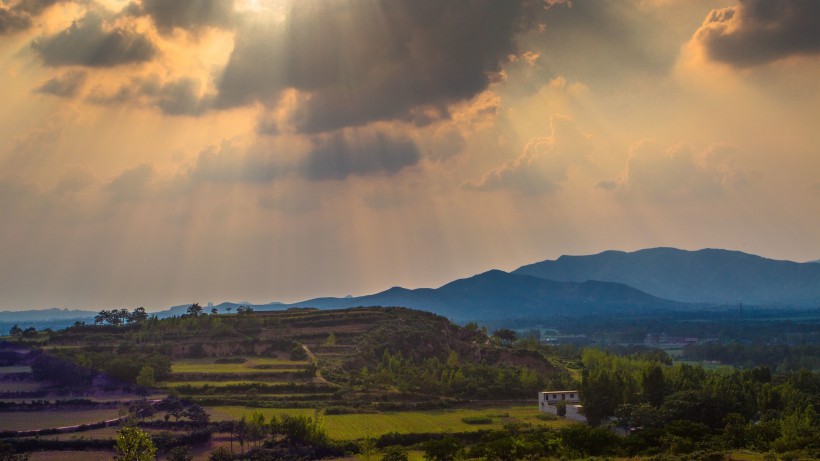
[779, 357]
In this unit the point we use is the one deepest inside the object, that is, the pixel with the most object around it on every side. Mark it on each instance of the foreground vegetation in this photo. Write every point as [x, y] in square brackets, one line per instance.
[371, 382]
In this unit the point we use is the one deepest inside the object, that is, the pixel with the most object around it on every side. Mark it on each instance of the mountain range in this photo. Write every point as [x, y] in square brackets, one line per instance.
[704, 276]
[650, 279]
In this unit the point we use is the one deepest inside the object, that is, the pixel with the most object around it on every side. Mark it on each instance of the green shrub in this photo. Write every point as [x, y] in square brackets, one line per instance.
[477, 420]
[229, 360]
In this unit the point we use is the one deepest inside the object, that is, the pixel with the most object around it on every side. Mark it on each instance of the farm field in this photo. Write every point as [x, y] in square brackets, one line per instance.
[356, 426]
[71, 455]
[15, 369]
[252, 365]
[218, 384]
[101, 433]
[23, 386]
[28, 420]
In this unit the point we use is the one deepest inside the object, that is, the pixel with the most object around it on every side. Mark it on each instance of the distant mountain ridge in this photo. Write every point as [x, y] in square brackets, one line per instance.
[705, 276]
[43, 315]
[655, 278]
[497, 294]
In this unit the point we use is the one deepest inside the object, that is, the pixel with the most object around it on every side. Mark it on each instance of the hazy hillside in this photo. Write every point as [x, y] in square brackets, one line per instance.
[497, 294]
[704, 276]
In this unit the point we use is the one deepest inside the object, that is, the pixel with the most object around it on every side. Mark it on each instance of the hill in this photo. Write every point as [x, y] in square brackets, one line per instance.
[704, 276]
[301, 357]
[500, 295]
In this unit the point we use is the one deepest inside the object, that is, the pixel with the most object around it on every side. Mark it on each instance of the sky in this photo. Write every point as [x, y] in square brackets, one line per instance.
[163, 152]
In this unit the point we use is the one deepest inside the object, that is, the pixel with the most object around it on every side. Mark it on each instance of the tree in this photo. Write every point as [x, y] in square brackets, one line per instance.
[214, 311]
[146, 376]
[221, 454]
[244, 310]
[30, 332]
[134, 444]
[600, 394]
[194, 310]
[395, 453]
[122, 316]
[16, 330]
[138, 316]
[367, 448]
[180, 453]
[444, 449]
[102, 317]
[7, 453]
[197, 415]
[653, 385]
[505, 335]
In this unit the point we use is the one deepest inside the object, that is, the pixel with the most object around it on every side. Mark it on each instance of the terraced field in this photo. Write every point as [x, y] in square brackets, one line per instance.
[29, 420]
[251, 365]
[356, 426]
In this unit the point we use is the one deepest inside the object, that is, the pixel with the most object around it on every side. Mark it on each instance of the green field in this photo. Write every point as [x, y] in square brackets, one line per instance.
[356, 426]
[29, 420]
[208, 366]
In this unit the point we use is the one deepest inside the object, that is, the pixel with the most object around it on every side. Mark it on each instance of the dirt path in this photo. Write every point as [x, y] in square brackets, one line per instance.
[315, 363]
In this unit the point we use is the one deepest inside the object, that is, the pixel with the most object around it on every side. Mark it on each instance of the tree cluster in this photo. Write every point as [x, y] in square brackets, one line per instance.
[684, 408]
[120, 316]
[452, 377]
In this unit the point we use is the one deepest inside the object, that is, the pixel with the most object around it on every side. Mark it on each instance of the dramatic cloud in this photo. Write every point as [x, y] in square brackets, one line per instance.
[678, 172]
[544, 164]
[619, 40]
[338, 156]
[12, 21]
[186, 14]
[66, 85]
[89, 42]
[359, 62]
[182, 96]
[759, 31]
[18, 17]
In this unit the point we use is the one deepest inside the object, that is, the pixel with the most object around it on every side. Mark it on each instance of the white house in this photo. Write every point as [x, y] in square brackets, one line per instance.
[548, 403]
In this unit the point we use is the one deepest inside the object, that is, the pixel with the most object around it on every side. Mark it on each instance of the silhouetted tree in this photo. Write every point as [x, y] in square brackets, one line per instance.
[194, 310]
[505, 335]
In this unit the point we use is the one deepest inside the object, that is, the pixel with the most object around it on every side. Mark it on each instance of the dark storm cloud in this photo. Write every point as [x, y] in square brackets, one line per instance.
[66, 85]
[604, 43]
[186, 14]
[361, 62]
[12, 21]
[760, 31]
[18, 17]
[337, 157]
[87, 43]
